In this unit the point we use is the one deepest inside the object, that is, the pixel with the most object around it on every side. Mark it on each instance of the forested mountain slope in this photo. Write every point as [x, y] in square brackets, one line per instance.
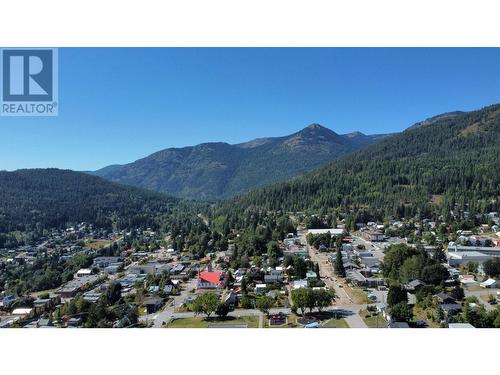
[451, 163]
[36, 199]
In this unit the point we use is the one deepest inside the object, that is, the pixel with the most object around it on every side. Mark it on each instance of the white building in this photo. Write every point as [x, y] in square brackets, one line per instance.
[84, 272]
[490, 283]
[332, 231]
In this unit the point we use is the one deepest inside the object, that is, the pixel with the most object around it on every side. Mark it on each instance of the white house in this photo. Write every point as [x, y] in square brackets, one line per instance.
[297, 284]
[490, 283]
[83, 272]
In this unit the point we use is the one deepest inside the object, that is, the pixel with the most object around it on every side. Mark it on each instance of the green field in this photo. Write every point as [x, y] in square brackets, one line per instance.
[337, 323]
[360, 296]
[199, 322]
[371, 319]
[97, 244]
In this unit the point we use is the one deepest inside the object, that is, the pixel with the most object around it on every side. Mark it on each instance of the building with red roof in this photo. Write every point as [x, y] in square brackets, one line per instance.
[210, 280]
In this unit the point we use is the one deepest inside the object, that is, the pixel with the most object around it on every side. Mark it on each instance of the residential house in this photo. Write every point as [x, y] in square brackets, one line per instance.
[414, 285]
[8, 300]
[39, 302]
[297, 284]
[311, 275]
[153, 304]
[490, 283]
[103, 262]
[451, 309]
[74, 322]
[44, 323]
[168, 289]
[373, 235]
[83, 272]
[444, 298]
[73, 287]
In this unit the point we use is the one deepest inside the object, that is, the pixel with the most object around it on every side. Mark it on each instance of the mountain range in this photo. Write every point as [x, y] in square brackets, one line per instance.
[448, 165]
[221, 170]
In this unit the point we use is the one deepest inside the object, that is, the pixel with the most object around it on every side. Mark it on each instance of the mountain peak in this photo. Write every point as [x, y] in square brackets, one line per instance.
[354, 134]
[318, 129]
[315, 126]
[316, 133]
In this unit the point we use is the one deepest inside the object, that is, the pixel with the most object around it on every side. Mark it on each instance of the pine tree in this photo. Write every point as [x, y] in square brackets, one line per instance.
[339, 265]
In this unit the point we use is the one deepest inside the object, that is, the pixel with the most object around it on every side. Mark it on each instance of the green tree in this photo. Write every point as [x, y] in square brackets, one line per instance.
[222, 310]
[339, 265]
[439, 255]
[396, 295]
[264, 304]
[114, 292]
[299, 299]
[206, 304]
[401, 312]
[324, 298]
[457, 293]
[395, 256]
[316, 269]
[299, 267]
[244, 289]
[411, 269]
[492, 267]
[311, 299]
[434, 274]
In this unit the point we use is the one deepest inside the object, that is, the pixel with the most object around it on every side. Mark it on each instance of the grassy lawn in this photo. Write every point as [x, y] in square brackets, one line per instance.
[474, 288]
[97, 244]
[199, 322]
[337, 323]
[421, 314]
[371, 319]
[487, 297]
[48, 291]
[360, 296]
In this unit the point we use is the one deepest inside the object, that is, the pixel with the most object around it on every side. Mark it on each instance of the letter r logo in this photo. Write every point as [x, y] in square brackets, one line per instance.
[27, 75]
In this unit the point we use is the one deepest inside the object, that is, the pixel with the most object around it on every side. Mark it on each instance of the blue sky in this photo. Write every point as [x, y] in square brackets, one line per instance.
[118, 105]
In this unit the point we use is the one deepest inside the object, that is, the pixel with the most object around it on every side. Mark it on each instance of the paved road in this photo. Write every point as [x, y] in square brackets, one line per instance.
[354, 320]
[343, 300]
[326, 271]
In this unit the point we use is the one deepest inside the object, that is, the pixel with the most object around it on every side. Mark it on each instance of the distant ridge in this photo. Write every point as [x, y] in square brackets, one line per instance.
[220, 170]
[434, 119]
